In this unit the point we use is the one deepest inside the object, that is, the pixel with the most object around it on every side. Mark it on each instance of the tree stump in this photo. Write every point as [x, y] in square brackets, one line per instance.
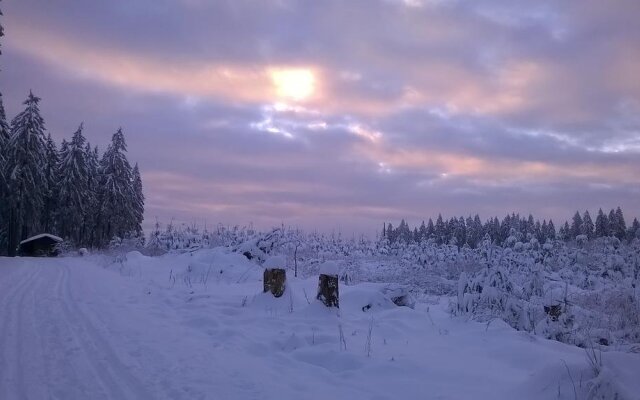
[554, 311]
[274, 281]
[328, 290]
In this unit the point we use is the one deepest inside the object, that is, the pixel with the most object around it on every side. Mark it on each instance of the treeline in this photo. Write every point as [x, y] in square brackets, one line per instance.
[471, 230]
[70, 191]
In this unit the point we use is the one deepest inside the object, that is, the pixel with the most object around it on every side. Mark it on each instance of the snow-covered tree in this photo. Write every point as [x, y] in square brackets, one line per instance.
[588, 228]
[138, 200]
[619, 228]
[576, 226]
[602, 224]
[115, 192]
[4, 141]
[25, 166]
[634, 230]
[74, 194]
[51, 176]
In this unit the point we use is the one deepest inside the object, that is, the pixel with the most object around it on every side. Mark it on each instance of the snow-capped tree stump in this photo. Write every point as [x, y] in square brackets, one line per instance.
[328, 292]
[554, 311]
[275, 280]
[275, 276]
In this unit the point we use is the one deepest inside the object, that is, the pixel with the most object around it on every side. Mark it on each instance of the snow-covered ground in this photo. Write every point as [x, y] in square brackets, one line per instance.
[197, 326]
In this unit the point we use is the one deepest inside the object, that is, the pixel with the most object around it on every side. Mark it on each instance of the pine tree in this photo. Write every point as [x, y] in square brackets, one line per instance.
[422, 232]
[587, 225]
[25, 173]
[391, 237]
[4, 142]
[93, 174]
[431, 229]
[634, 230]
[138, 200]
[51, 195]
[576, 226]
[551, 230]
[565, 232]
[115, 192]
[73, 191]
[613, 221]
[440, 230]
[602, 224]
[620, 225]
[471, 232]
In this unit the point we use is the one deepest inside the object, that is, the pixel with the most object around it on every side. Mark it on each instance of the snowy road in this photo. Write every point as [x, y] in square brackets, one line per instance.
[51, 347]
[72, 329]
[65, 333]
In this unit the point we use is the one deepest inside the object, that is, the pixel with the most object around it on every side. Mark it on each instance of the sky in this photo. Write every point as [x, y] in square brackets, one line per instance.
[343, 114]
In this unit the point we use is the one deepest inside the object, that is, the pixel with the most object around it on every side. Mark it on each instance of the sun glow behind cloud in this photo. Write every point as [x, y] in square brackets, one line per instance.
[295, 84]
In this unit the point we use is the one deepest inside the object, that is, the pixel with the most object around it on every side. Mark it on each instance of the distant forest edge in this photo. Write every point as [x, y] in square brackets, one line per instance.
[68, 191]
[513, 228]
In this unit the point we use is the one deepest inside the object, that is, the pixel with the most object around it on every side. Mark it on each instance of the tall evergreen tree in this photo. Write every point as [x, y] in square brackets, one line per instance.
[51, 175]
[25, 173]
[440, 230]
[551, 230]
[431, 229]
[613, 221]
[634, 230]
[587, 225]
[115, 191]
[602, 224]
[391, 237]
[620, 228]
[4, 142]
[138, 200]
[73, 193]
[422, 232]
[576, 226]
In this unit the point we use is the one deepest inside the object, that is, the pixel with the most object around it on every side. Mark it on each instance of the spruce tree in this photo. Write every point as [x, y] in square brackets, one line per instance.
[576, 226]
[4, 142]
[551, 230]
[391, 237]
[138, 200]
[587, 225]
[25, 173]
[602, 224]
[620, 225]
[90, 237]
[73, 193]
[115, 191]
[431, 229]
[51, 175]
[440, 230]
[634, 230]
[613, 221]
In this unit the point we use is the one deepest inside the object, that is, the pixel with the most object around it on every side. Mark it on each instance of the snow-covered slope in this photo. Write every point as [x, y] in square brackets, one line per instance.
[196, 326]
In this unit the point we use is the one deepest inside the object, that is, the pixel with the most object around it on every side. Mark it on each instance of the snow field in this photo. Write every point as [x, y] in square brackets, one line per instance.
[197, 326]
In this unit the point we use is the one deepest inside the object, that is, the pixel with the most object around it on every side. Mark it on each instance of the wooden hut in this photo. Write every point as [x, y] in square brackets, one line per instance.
[42, 245]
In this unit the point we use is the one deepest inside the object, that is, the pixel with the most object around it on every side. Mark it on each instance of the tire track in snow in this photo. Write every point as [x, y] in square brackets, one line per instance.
[11, 371]
[113, 374]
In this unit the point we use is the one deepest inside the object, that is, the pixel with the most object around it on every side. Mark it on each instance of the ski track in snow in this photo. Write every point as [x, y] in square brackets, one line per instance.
[53, 346]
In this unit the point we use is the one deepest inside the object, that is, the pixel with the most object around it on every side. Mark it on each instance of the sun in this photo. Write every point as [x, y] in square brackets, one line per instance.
[293, 84]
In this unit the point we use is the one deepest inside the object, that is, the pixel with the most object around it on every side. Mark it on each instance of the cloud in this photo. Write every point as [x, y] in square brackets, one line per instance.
[344, 113]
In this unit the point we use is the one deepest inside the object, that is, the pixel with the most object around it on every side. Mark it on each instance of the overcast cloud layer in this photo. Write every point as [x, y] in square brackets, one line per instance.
[333, 114]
